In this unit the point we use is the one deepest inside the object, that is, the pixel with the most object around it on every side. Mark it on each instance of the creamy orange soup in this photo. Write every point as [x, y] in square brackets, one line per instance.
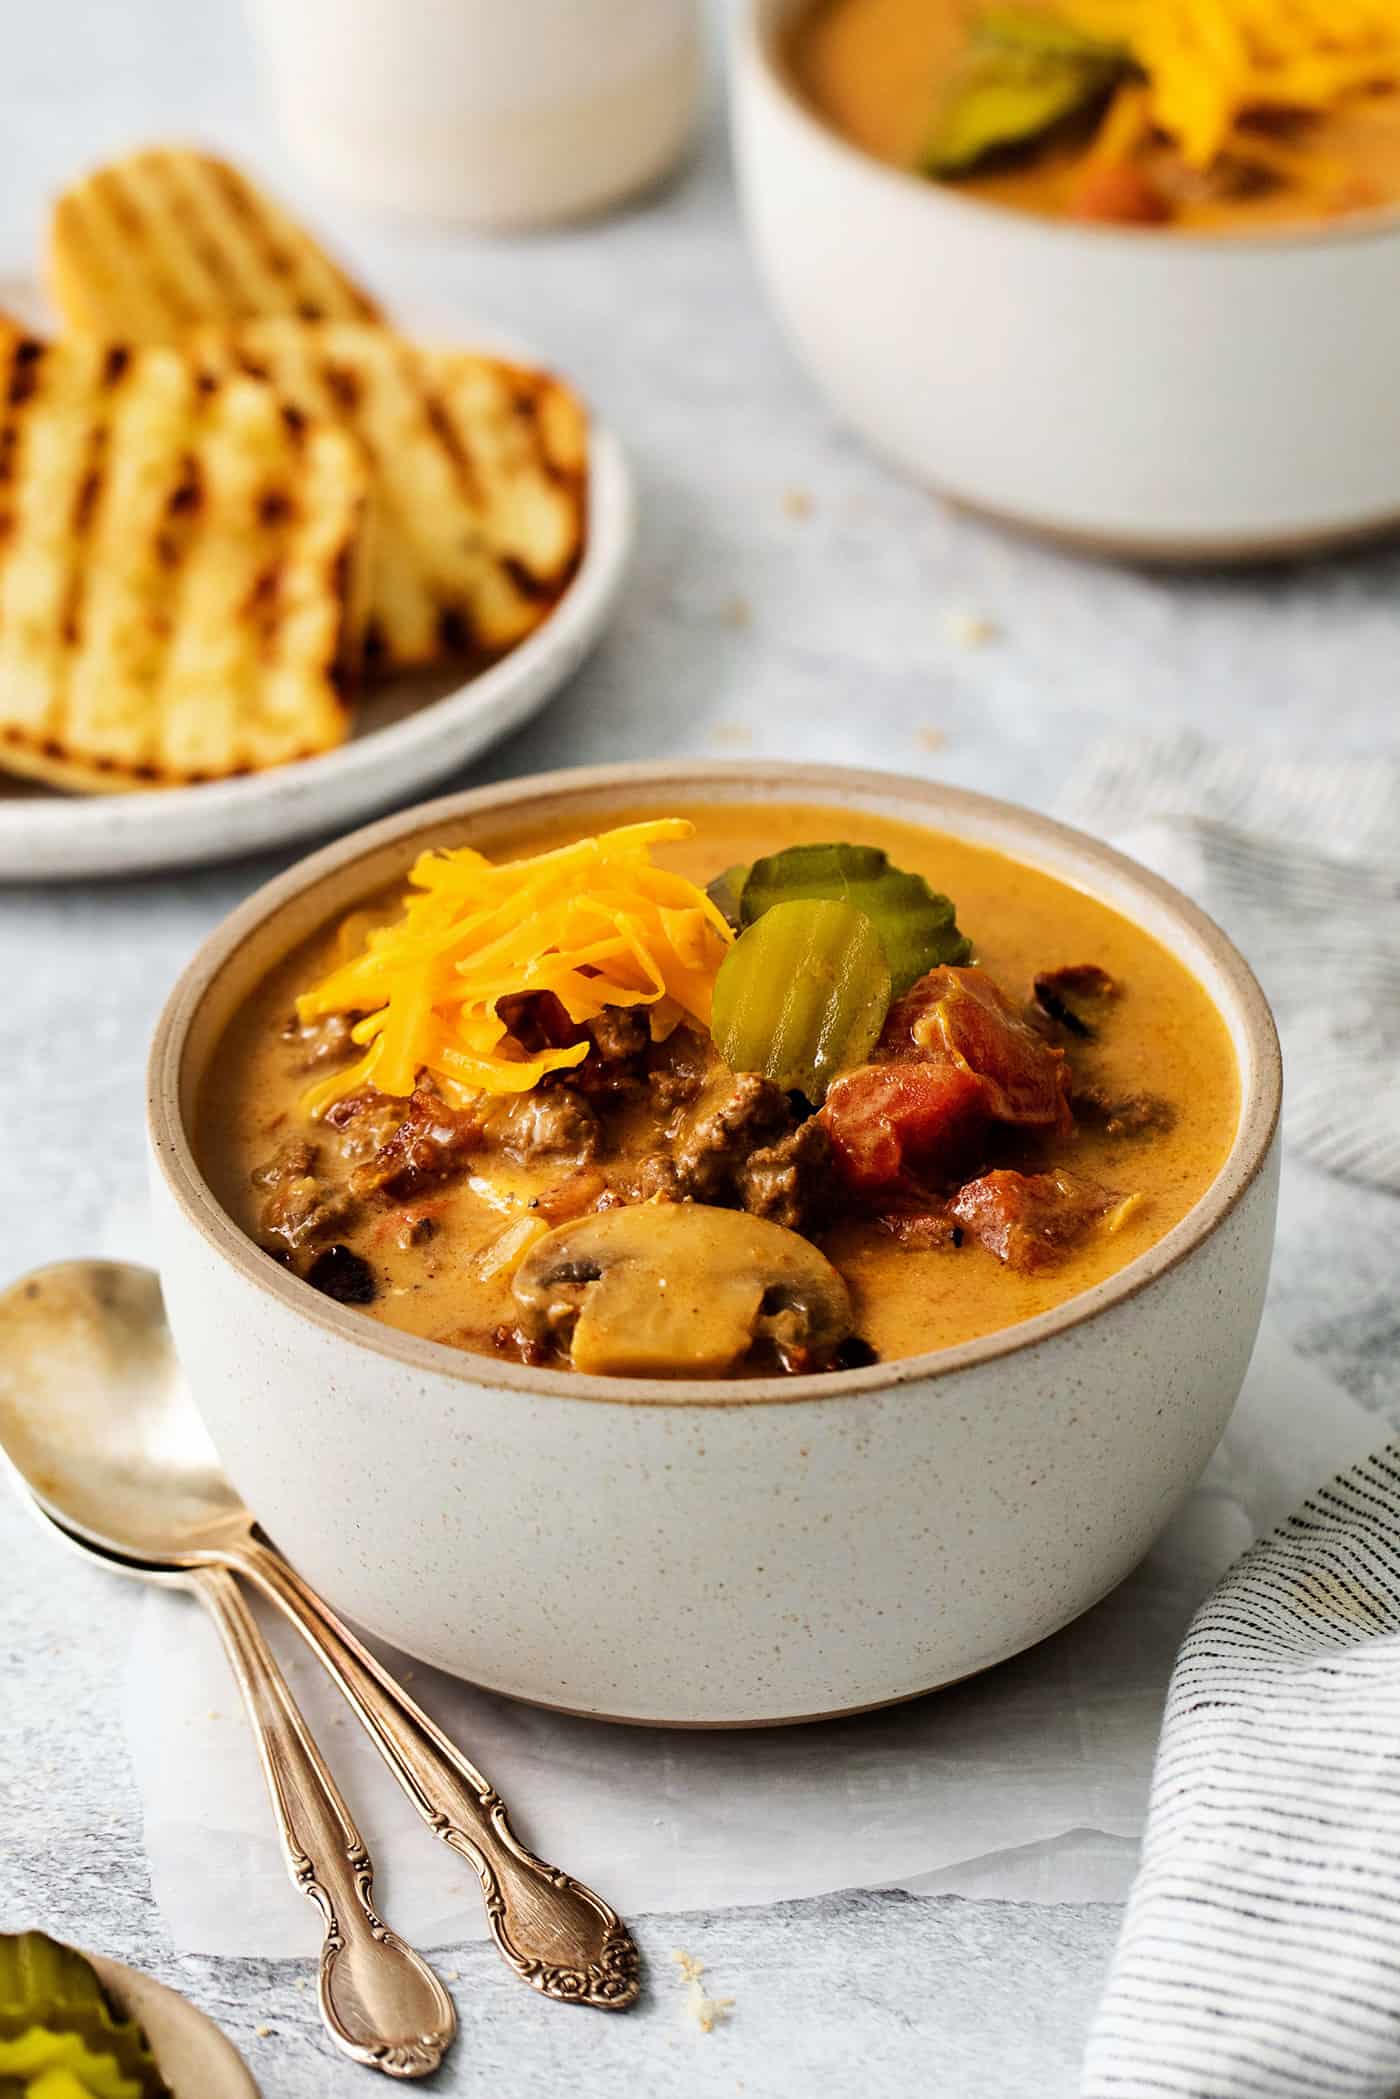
[431, 1253]
[878, 71]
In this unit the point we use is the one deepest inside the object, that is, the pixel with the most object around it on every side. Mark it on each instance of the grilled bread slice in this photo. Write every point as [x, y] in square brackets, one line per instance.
[145, 248]
[180, 564]
[480, 475]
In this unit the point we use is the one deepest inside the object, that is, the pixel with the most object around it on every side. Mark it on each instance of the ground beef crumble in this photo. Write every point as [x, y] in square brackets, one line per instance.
[302, 1204]
[751, 1113]
[787, 1181]
[554, 1122]
[702, 1166]
[1123, 1115]
[620, 1033]
[399, 1148]
[364, 1123]
[1068, 1003]
[747, 1150]
[921, 1229]
[319, 1042]
[676, 1073]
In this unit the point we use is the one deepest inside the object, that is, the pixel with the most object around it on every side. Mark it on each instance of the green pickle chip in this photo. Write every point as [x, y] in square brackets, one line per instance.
[802, 994]
[59, 2032]
[726, 890]
[1024, 74]
[918, 928]
[1027, 29]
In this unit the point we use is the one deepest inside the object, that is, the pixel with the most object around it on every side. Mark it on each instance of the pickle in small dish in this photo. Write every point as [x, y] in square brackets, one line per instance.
[59, 2031]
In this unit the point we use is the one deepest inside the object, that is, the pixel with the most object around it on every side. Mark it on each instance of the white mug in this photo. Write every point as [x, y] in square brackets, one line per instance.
[499, 114]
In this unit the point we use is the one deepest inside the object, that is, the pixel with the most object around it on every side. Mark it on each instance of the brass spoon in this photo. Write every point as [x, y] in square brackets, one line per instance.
[96, 1418]
[380, 2001]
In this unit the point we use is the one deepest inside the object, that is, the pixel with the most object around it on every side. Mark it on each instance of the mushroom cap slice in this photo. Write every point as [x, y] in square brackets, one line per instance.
[679, 1290]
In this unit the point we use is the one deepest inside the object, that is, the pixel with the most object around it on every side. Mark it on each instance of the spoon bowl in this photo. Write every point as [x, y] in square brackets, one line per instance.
[97, 1419]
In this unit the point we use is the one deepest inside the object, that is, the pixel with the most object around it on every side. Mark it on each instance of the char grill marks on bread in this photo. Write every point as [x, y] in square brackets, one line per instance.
[479, 469]
[181, 569]
[147, 247]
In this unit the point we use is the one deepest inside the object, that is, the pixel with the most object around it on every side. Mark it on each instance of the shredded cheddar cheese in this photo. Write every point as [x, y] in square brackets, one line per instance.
[1210, 62]
[595, 923]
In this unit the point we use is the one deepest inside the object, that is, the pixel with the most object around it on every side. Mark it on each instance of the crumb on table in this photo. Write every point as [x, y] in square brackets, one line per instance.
[707, 2012]
[797, 502]
[970, 630]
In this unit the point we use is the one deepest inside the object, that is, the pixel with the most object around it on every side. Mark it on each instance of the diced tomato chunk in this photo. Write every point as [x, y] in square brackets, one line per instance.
[1120, 195]
[961, 1017]
[1029, 1220]
[904, 1125]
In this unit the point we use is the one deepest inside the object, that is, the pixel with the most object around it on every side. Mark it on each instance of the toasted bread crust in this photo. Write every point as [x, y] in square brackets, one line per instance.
[180, 564]
[480, 470]
[144, 248]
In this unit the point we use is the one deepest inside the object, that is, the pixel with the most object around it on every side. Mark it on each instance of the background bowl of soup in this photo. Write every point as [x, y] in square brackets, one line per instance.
[739, 1551]
[1213, 391]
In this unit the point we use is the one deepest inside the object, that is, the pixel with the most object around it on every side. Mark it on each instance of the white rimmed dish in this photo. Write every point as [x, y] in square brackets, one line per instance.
[196, 2060]
[409, 732]
[736, 1552]
[1158, 395]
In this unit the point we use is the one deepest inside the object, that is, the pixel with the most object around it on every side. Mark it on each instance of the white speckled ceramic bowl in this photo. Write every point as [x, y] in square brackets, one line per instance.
[1158, 395]
[714, 1553]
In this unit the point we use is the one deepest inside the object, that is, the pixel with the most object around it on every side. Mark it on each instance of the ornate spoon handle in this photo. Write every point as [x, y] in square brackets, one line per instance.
[557, 1934]
[381, 2002]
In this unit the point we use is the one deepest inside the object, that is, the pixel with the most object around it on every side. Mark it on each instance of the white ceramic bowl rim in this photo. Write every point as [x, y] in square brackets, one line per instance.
[757, 33]
[1259, 1108]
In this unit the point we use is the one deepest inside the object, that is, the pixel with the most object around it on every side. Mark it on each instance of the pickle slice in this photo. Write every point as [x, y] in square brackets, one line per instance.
[802, 994]
[1022, 76]
[1027, 29]
[918, 928]
[726, 889]
[56, 2017]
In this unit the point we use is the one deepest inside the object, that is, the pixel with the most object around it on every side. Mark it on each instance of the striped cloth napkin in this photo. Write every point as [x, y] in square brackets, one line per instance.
[1260, 1952]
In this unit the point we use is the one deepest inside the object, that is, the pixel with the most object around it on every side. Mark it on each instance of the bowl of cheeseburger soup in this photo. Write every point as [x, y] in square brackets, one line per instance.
[714, 1248]
[1123, 271]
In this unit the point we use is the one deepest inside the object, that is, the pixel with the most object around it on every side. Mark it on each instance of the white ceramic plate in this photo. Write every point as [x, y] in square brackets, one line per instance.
[409, 732]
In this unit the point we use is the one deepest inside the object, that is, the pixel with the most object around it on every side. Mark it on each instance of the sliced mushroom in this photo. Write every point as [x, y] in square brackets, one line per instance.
[680, 1290]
